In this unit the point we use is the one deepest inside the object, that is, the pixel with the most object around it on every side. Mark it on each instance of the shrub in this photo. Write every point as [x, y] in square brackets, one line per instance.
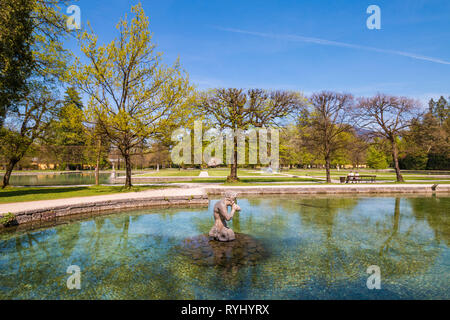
[376, 159]
[8, 219]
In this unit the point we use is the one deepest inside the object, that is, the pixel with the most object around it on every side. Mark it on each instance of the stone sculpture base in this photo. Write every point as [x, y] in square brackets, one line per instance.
[224, 235]
[243, 251]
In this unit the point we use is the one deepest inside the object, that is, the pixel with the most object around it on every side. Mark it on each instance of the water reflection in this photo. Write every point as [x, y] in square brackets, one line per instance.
[319, 248]
[58, 179]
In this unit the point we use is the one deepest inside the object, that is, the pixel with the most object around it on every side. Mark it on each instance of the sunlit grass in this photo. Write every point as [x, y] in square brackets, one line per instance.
[218, 172]
[14, 194]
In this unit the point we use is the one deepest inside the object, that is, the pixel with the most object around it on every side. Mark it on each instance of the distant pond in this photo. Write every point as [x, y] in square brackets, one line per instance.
[57, 179]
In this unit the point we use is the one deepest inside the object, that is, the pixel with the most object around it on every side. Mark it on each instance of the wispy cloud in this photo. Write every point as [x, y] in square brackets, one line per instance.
[296, 38]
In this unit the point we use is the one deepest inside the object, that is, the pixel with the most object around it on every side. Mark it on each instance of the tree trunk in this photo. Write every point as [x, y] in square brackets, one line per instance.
[395, 227]
[128, 170]
[395, 157]
[9, 168]
[97, 167]
[97, 173]
[327, 167]
[233, 172]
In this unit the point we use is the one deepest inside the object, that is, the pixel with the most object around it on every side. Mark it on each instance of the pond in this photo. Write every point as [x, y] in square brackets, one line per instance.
[57, 179]
[314, 248]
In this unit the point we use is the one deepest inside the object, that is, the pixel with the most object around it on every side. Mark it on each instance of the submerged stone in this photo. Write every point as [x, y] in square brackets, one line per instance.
[243, 251]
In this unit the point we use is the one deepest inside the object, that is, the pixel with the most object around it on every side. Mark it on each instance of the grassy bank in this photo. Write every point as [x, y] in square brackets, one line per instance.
[223, 172]
[249, 180]
[12, 194]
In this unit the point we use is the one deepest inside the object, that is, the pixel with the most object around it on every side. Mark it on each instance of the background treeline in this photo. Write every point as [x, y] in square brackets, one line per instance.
[120, 105]
[423, 145]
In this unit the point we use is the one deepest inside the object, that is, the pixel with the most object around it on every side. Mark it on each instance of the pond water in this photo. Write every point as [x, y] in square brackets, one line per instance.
[314, 248]
[57, 179]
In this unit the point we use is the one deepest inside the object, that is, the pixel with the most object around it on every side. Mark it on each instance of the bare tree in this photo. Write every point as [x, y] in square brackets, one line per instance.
[236, 109]
[324, 122]
[388, 116]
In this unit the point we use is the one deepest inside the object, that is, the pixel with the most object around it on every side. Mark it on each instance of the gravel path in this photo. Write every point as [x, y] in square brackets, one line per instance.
[42, 204]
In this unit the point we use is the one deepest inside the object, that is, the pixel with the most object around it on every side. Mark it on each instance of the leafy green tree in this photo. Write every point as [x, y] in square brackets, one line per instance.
[27, 120]
[49, 32]
[97, 148]
[132, 96]
[291, 152]
[441, 110]
[427, 141]
[356, 148]
[16, 58]
[67, 134]
[70, 128]
[72, 97]
[376, 158]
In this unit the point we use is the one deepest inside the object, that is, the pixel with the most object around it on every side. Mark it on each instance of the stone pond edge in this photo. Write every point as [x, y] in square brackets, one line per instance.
[49, 214]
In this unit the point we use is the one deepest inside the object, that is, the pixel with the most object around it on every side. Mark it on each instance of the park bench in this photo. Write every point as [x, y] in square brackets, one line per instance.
[356, 179]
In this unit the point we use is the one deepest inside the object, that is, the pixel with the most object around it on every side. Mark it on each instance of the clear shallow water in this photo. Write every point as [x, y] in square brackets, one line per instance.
[319, 248]
[57, 179]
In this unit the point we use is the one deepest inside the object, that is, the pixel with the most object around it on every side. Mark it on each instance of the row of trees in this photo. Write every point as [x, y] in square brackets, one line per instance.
[133, 101]
[32, 62]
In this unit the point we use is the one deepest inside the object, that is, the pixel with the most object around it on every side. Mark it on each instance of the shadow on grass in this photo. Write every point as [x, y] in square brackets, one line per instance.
[17, 192]
[250, 180]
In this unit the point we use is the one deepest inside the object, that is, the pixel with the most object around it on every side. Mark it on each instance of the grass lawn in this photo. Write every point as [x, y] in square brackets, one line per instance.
[249, 180]
[247, 184]
[211, 172]
[12, 194]
[380, 175]
[171, 173]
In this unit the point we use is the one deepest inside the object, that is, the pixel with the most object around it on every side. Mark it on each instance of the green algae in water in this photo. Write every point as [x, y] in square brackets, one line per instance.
[317, 248]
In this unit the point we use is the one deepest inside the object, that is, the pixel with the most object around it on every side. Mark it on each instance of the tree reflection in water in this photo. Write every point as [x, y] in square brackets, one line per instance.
[320, 247]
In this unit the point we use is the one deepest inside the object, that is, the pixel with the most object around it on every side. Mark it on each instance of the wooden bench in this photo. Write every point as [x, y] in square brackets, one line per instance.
[356, 179]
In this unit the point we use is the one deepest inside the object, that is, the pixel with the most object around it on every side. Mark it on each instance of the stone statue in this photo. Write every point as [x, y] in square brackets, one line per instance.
[220, 231]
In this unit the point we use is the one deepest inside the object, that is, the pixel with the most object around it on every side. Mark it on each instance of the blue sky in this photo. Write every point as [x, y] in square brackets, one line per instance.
[297, 45]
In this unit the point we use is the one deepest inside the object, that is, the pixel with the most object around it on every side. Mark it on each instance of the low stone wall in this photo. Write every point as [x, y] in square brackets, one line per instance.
[54, 213]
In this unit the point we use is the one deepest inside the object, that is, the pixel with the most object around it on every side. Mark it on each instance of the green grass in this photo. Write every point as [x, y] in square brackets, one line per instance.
[240, 172]
[11, 194]
[426, 178]
[380, 175]
[250, 184]
[249, 180]
[211, 172]
[171, 173]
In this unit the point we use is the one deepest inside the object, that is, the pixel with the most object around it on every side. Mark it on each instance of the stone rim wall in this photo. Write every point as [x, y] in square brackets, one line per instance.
[53, 213]
[93, 208]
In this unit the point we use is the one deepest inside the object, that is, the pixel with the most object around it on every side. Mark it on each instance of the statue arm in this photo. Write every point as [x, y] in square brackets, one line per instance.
[230, 216]
[224, 212]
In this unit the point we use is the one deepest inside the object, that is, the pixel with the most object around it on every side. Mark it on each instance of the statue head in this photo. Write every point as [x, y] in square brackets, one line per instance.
[230, 197]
